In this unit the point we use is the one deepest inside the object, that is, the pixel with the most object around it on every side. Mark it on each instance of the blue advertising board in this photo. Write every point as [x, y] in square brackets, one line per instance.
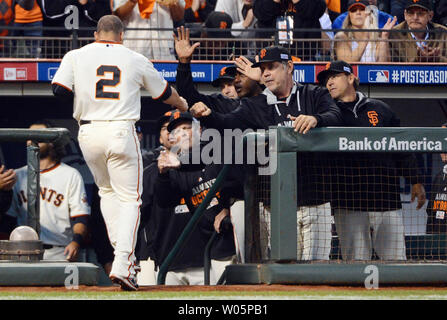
[304, 73]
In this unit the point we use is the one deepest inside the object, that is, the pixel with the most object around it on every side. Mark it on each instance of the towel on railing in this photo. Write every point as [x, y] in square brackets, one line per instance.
[146, 7]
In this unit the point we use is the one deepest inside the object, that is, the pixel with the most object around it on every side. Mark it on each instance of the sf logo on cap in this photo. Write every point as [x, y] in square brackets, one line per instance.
[223, 25]
[263, 53]
[328, 66]
[415, 1]
[222, 71]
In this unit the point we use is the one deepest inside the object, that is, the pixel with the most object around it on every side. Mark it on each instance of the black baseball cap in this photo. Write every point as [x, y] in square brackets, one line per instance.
[164, 118]
[271, 54]
[218, 20]
[178, 117]
[363, 3]
[226, 73]
[424, 4]
[334, 67]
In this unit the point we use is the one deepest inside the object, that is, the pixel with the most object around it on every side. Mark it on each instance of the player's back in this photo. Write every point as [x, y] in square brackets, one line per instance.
[107, 79]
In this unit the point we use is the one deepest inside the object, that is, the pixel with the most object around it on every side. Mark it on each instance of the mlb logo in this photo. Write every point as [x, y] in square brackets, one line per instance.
[379, 76]
[51, 72]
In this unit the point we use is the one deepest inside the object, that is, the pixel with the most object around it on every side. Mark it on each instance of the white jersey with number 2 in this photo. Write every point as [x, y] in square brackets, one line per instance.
[107, 78]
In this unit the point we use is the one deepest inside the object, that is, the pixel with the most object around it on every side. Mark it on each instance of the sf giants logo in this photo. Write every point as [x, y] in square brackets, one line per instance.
[415, 1]
[263, 53]
[176, 115]
[223, 25]
[373, 118]
[328, 66]
[49, 195]
[222, 72]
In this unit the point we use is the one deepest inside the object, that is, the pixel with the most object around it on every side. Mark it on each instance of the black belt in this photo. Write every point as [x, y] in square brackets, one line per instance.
[50, 246]
[84, 122]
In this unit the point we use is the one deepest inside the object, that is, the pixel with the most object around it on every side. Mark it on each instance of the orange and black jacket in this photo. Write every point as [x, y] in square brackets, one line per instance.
[437, 205]
[192, 183]
[6, 16]
[162, 224]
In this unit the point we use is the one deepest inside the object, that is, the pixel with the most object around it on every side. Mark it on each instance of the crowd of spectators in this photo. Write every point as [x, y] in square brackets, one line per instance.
[314, 30]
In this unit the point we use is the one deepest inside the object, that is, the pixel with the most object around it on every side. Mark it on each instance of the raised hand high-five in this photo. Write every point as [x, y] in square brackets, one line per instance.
[243, 66]
[183, 47]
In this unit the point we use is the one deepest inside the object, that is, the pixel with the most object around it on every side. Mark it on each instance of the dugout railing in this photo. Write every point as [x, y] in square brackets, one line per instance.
[158, 43]
[274, 260]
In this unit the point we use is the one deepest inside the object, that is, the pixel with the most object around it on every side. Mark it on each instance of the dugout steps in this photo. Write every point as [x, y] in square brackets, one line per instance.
[48, 273]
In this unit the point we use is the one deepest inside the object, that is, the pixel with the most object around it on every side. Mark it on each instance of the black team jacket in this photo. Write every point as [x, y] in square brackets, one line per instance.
[266, 110]
[185, 86]
[192, 183]
[161, 226]
[437, 205]
[370, 181]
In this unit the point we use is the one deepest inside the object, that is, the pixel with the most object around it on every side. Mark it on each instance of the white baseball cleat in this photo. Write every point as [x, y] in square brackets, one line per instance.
[127, 284]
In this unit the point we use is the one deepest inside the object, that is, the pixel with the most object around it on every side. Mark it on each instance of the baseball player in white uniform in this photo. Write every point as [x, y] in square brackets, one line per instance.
[63, 204]
[105, 78]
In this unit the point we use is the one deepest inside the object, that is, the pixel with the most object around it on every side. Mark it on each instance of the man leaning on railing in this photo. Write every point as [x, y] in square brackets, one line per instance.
[425, 46]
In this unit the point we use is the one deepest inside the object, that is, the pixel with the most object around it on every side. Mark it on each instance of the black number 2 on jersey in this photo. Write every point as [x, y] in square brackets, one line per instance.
[116, 79]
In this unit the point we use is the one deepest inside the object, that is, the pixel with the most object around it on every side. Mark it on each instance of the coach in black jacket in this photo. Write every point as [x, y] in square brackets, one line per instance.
[367, 186]
[161, 225]
[192, 181]
[287, 103]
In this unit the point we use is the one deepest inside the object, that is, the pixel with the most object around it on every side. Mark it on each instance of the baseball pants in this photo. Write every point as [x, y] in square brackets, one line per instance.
[237, 215]
[218, 268]
[185, 277]
[112, 152]
[359, 232]
[314, 231]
